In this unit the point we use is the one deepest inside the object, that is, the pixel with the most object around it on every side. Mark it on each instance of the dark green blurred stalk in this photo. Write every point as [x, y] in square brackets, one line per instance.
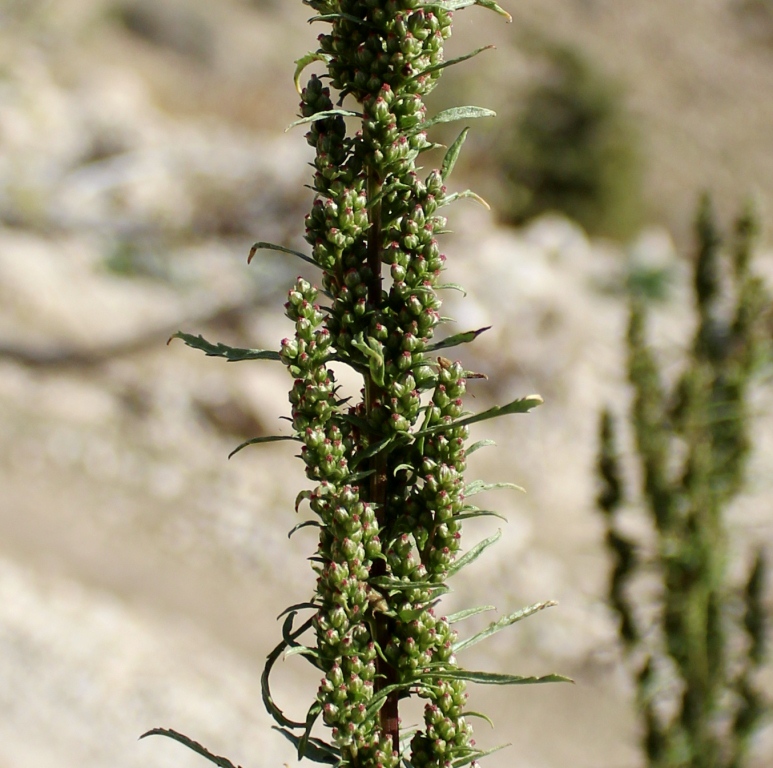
[695, 662]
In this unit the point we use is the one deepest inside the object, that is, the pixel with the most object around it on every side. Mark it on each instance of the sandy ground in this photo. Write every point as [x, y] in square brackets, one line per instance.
[140, 571]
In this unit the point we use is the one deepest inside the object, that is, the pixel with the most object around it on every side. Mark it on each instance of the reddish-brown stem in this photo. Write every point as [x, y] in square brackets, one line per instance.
[386, 674]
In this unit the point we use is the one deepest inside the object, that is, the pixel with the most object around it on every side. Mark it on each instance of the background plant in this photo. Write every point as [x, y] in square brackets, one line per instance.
[571, 147]
[696, 658]
[389, 496]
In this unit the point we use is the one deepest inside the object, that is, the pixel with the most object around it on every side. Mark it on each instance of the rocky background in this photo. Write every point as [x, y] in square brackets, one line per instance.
[141, 153]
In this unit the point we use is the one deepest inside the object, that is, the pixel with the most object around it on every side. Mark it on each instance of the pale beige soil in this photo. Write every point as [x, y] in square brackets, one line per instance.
[140, 571]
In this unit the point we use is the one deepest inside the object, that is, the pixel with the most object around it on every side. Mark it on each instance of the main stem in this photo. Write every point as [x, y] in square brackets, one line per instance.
[386, 674]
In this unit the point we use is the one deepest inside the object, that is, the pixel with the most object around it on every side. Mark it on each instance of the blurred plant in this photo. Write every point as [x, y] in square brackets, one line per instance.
[695, 661]
[172, 26]
[571, 149]
[756, 17]
[389, 497]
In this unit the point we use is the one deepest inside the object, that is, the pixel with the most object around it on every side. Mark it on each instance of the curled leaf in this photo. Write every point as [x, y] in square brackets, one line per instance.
[304, 62]
[191, 744]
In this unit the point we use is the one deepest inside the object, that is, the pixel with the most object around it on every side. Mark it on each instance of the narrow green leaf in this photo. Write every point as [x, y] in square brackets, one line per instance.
[266, 439]
[494, 678]
[317, 751]
[450, 63]
[465, 614]
[303, 62]
[263, 246]
[232, 354]
[470, 513]
[480, 715]
[452, 155]
[477, 754]
[297, 607]
[304, 495]
[454, 5]
[473, 554]
[522, 405]
[311, 718]
[467, 194]
[505, 621]
[323, 116]
[271, 659]
[385, 582]
[355, 477]
[306, 524]
[455, 113]
[303, 650]
[451, 287]
[492, 6]
[373, 449]
[378, 699]
[191, 744]
[336, 16]
[480, 444]
[478, 486]
[456, 340]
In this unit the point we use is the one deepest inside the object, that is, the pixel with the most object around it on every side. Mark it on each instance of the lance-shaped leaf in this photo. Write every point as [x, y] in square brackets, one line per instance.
[378, 699]
[474, 553]
[232, 354]
[467, 612]
[451, 62]
[317, 751]
[274, 247]
[452, 114]
[522, 405]
[478, 486]
[268, 701]
[477, 754]
[451, 287]
[455, 5]
[303, 62]
[375, 448]
[306, 524]
[395, 585]
[456, 339]
[323, 116]
[470, 512]
[493, 678]
[266, 439]
[336, 16]
[480, 444]
[505, 621]
[452, 155]
[311, 718]
[468, 713]
[191, 744]
[469, 194]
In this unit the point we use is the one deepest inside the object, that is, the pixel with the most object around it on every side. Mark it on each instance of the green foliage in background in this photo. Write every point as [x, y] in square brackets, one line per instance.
[696, 658]
[571, 148]
[388, 495]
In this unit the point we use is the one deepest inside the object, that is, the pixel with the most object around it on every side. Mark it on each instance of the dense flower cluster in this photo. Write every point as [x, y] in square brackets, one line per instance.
[389, 491]
[389, 469]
